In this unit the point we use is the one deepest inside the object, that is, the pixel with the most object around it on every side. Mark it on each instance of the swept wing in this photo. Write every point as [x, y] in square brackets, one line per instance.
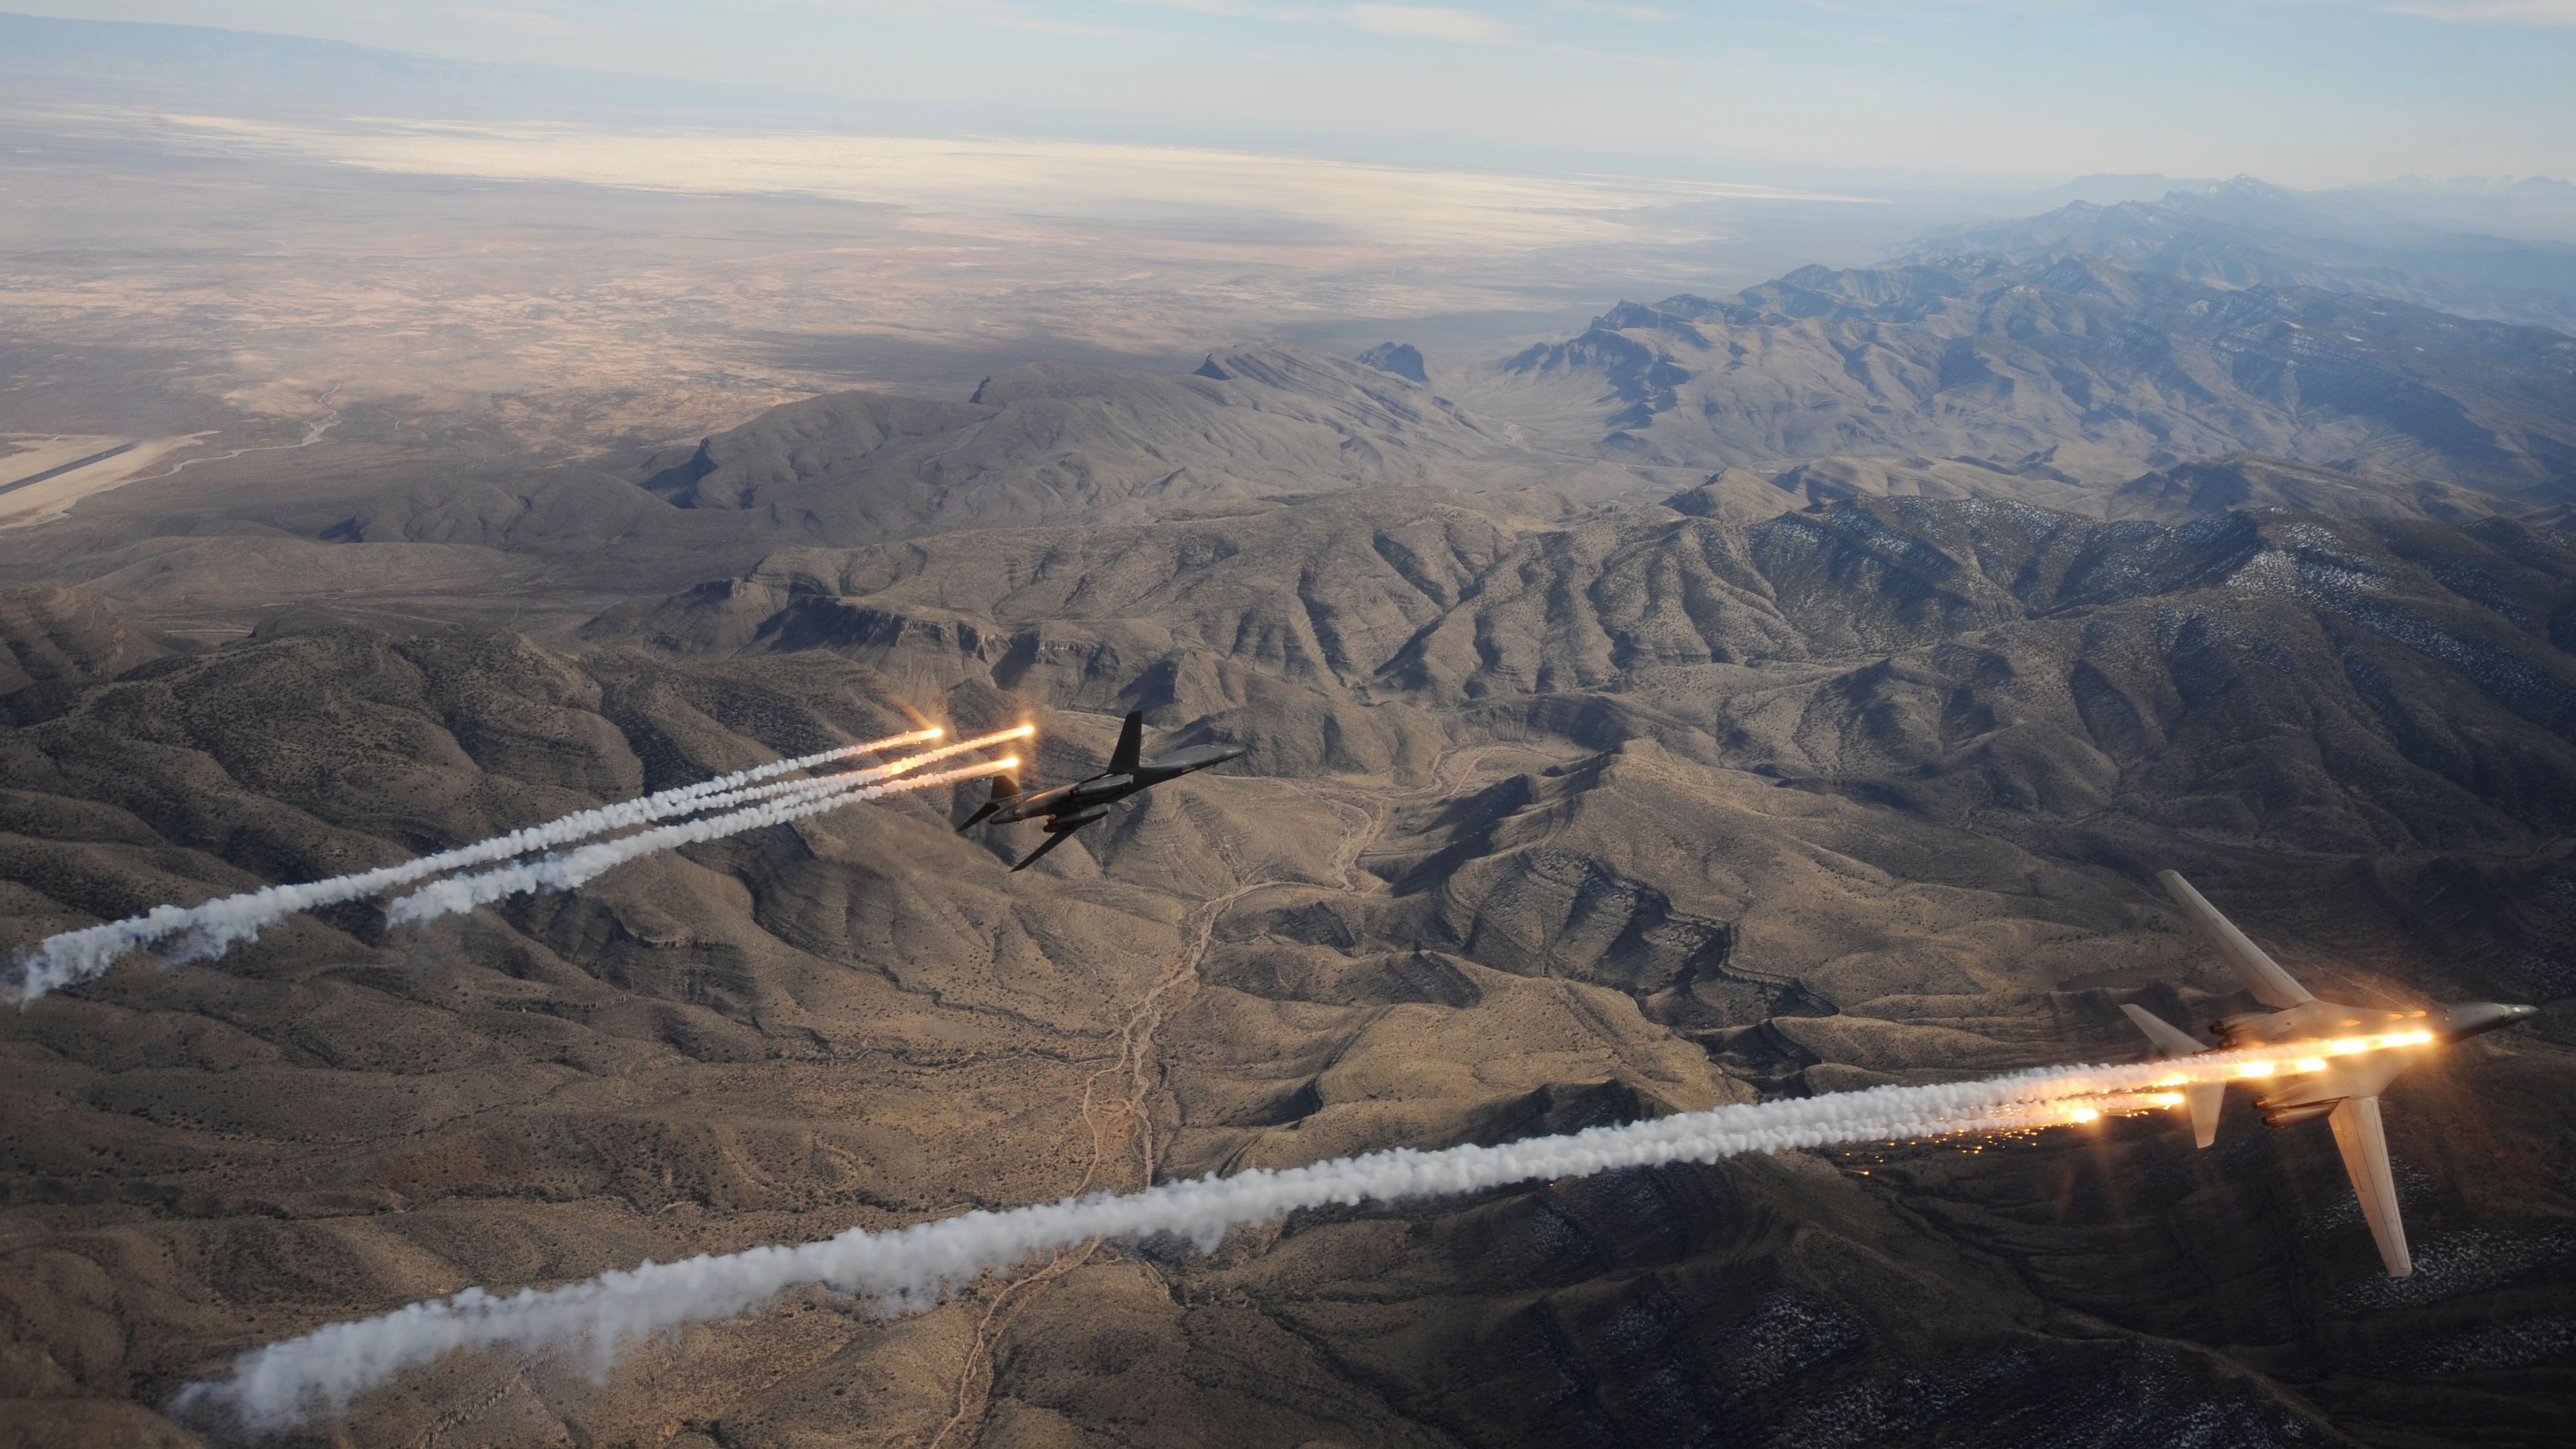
[2365, 1155]
[2261, 974]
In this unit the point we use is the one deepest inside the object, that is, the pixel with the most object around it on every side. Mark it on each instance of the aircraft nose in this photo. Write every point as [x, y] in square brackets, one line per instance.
[2469, 1018]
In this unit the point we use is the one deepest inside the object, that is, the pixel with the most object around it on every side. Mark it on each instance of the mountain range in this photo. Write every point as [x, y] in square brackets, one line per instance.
[1746, 697]
[1544, 821]
[1989, 359]
[2078, 385]
[2245, 232]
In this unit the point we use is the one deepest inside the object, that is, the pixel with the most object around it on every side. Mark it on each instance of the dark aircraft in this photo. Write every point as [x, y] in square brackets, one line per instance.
[1068, 808]
[2357, 1051]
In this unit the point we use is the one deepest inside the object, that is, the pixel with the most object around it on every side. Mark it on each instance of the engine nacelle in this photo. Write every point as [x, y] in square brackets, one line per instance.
[2289, 1112]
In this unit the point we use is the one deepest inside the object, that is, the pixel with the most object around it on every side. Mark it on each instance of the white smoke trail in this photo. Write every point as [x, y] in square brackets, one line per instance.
[286, 1383]
[563, 872]
[210, 928]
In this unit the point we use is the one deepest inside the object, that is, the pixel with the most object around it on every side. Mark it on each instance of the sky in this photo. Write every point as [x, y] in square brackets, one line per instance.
[2306, 93]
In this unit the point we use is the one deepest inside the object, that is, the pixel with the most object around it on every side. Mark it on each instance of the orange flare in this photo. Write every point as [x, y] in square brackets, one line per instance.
[908, 737]
[910, 763]
[974, 771]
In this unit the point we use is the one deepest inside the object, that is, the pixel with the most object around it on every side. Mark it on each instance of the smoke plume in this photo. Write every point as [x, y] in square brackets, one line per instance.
[208, 929]
[287, 1383]
[563, 872]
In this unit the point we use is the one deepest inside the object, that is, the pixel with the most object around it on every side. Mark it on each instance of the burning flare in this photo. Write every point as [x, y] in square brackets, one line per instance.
[287, 1383]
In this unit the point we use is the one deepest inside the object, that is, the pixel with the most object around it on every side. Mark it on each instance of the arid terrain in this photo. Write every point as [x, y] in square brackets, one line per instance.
[1493, 866]
[1782, 682]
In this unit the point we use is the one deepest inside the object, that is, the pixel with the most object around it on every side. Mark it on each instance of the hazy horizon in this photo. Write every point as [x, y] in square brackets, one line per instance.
[2304, 93]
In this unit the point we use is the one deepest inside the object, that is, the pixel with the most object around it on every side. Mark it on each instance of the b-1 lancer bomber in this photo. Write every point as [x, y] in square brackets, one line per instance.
[2336, 1060]
[1068, 808]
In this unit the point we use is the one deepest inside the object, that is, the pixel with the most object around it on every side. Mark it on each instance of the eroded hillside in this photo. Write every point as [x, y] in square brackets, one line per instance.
[1976, 357]
[1547, 819]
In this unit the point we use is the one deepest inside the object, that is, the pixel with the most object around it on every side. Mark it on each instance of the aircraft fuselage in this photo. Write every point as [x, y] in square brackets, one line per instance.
[1068, 808]
[1104, 790]
[2302, 1088]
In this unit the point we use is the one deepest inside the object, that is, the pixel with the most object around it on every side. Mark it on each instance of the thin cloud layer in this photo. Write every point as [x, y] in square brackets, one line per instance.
[1431, 22]
[2493, 12]
[1385, 206]
[2307, 93]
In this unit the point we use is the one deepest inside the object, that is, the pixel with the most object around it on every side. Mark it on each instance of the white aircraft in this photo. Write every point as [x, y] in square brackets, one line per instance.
[2360, 1050]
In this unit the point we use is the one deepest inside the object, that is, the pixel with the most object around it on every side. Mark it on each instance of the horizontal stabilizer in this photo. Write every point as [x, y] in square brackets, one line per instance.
[2170, 1039]
[2262, 975]
[1005, 789]
[2203, 1099]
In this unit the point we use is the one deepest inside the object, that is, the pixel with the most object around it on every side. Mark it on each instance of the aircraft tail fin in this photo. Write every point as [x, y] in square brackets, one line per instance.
[2262, 975]
[1131, 745]
[1005, 790]
[2364, 1143]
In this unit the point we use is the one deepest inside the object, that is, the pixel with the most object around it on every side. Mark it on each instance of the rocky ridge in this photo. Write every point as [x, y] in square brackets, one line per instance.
[1847, 762]
[1982, 358]
[1547, 818]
